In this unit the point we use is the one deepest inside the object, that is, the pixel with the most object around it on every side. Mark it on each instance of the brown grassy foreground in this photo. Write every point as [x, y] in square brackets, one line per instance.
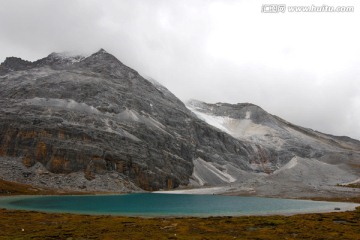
[35, 225]
[11, 188]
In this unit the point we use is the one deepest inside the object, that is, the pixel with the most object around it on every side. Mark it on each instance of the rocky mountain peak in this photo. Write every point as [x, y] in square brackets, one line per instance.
[102, 54]
[54, 59]
[101, 51]
[101, 57]
[104, 62]
[14, 61]
[62, 58]
[14, 64]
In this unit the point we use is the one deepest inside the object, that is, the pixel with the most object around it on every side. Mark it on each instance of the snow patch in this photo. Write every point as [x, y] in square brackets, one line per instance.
[243, 129]
[215, 121]
[67, 57]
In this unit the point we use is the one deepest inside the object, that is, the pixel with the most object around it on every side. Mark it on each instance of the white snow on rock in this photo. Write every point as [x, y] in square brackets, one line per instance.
[243, 129]
[68, 57]
[215, 121]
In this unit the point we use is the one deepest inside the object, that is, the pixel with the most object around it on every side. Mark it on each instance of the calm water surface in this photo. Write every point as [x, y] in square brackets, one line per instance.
[151, 204]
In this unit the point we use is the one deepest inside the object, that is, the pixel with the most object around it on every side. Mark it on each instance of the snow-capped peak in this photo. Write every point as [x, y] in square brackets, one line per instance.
[66, 57]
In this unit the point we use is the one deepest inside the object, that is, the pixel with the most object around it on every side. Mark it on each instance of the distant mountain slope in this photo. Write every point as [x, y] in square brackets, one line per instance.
[248, 122]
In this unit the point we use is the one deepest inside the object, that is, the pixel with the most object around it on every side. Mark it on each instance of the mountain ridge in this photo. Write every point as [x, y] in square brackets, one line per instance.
[92, 123]
[105, 108]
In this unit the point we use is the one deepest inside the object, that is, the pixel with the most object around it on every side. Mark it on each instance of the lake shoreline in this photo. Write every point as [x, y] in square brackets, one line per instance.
[327, 207]
[37, 225]
[16, 189]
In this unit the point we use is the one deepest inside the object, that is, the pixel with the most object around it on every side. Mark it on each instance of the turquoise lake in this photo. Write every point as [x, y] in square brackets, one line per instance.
[152, 204]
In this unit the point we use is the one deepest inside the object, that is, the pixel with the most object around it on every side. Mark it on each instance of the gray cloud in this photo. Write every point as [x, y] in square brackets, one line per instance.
[300, 66]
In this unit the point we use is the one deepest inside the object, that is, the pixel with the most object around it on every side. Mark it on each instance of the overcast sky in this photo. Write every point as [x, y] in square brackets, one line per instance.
[303, 67]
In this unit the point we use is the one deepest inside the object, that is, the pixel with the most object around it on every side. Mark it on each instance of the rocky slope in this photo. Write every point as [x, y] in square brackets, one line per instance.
[318, 161]
[94, 124]
[248, 122]
[94, 116]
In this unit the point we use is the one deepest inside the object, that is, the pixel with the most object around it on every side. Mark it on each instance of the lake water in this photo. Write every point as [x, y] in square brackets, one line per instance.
[151, 204]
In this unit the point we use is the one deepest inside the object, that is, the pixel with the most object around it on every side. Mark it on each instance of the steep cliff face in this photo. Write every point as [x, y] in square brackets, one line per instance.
[95, 115]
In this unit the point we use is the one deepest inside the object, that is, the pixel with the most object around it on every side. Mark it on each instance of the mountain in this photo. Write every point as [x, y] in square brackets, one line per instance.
[90, 123]
[317, 160]
[248, 122]
[98, 122]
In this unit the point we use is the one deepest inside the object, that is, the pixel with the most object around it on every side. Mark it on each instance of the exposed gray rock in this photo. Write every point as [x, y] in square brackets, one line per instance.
[95, 115]
[306, 159]
[94, 124]
[13, 170]
[248, 122]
